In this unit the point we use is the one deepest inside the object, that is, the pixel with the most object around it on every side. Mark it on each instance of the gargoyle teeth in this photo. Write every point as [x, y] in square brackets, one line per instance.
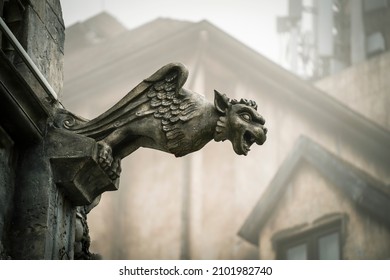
[219, 129]
[249, 138]
[219, 123]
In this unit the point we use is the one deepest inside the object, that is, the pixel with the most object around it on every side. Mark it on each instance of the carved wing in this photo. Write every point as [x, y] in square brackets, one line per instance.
[160, 95]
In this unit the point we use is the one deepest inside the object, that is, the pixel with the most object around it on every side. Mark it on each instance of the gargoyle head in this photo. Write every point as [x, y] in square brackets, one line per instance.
[239, 122]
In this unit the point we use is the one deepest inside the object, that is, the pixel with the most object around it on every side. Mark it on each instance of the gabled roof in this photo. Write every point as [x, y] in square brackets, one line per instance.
[97, 29]
[91, 44]
[165, 40]
[365, 191]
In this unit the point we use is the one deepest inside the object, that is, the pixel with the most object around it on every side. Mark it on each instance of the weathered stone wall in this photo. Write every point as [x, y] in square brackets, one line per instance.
[42, 217]
[44, 37]
[7, 175]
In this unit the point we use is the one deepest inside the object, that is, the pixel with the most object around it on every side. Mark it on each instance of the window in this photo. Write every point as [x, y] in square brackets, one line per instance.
[375, 43]
[322, 243]
[372, 5]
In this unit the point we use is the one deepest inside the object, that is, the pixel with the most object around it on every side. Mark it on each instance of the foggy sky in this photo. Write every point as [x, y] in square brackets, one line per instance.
[253, 22]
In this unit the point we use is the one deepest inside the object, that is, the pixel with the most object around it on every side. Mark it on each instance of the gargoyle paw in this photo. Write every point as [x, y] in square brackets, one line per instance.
[111, 166]
[115, 170]
[104, 155]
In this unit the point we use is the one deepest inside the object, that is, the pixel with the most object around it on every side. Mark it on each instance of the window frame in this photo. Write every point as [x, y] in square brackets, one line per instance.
[311, 238]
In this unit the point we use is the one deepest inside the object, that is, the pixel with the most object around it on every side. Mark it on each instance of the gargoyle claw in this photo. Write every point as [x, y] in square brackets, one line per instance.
[104, 155]
[106, 161]
[115, 170]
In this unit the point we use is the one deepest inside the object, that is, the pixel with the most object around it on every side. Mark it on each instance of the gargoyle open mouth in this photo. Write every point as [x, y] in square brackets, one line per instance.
[248, 139]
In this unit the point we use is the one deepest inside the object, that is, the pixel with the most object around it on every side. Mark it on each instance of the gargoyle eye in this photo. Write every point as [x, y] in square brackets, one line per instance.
[246, 117]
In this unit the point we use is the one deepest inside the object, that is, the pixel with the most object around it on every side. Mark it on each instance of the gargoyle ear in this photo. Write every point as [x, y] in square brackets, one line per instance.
[221, 101]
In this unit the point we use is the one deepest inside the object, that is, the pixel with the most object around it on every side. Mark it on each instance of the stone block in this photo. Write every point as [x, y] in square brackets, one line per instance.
[74, 162]
[56, 7]
[39, 7]
[46, 53]
[55, 27]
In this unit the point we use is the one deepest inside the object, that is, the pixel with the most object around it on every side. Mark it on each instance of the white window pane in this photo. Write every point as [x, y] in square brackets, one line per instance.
[329, 247]
[298, 252]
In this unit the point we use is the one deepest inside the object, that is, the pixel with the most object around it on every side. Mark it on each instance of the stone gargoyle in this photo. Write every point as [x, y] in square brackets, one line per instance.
[159, 114]
[85, 154]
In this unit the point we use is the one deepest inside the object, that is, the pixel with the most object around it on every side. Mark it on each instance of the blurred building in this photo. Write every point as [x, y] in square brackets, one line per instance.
[324, 166]
[321, 38]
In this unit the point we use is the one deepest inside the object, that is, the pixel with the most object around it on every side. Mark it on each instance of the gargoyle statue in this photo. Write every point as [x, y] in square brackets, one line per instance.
[160, 114]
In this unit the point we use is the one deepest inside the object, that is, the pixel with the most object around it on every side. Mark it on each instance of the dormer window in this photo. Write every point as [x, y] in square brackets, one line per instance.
[317, 243]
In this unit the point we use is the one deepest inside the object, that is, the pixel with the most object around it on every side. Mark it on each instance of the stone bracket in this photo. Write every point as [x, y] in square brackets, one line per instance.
[75, 166]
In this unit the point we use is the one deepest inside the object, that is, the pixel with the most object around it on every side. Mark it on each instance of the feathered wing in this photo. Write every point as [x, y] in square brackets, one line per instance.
[158, 95]
[174, 110]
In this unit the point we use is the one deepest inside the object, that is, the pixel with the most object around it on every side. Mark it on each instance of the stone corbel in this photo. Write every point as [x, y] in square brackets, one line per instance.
[74, 160]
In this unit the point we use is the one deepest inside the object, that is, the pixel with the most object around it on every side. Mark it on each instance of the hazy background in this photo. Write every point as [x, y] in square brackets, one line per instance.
[253, 22]
[193, 207]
